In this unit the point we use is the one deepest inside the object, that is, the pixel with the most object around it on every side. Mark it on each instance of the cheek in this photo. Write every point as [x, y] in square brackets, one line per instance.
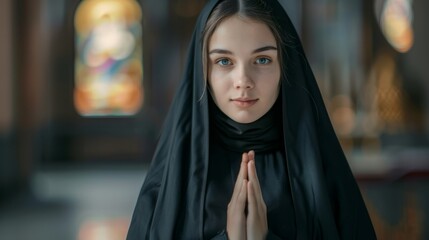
[215, 88]
[269, 80]
[218, 82]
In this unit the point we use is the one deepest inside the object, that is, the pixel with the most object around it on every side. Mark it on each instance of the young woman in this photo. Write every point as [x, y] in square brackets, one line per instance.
[247, 150]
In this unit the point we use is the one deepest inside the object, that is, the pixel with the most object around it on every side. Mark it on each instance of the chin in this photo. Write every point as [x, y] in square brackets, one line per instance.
[244, 119]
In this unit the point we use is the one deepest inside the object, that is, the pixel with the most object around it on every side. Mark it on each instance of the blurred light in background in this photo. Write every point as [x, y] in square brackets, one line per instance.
[110, 229]
[396, 24]
[108, 75]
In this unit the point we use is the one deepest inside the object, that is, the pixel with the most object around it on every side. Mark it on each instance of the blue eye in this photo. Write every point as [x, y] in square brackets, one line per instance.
[224, 62]
[263, 60]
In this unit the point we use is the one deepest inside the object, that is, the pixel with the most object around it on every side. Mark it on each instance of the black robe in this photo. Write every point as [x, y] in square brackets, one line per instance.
[228, 140]
[325, 198]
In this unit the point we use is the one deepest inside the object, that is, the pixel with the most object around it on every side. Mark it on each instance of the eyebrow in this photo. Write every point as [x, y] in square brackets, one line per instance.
[262, 49]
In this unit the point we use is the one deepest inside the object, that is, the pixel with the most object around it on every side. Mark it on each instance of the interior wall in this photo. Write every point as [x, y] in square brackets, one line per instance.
[416, 60]
[30, 82]
[8, 166]
[6, 106]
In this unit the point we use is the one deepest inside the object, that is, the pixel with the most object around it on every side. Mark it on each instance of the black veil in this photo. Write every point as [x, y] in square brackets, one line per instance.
[326, 198]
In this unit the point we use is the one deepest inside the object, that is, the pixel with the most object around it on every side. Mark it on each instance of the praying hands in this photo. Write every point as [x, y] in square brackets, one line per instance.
[247, 212]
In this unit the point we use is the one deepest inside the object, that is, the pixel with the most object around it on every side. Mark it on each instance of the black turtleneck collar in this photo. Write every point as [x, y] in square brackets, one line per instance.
[264, 134]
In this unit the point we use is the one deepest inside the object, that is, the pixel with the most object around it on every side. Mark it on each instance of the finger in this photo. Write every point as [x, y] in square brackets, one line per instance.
[251, 155]
[251, 170]
[244, 161]
[242, 196]
[252, 201]
[253, 177]
[254, 174]
[242, 174]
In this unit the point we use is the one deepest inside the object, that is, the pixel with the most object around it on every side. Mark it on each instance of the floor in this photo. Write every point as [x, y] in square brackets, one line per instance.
[97, 203]
[72, 203]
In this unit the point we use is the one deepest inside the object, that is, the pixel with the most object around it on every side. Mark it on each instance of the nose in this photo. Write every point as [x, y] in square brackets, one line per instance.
[243, 78]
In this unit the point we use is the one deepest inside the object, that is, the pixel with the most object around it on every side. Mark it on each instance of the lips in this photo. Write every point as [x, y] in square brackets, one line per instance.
[244, 102]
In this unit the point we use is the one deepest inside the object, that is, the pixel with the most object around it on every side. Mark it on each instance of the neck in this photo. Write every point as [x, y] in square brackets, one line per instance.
[264, 134]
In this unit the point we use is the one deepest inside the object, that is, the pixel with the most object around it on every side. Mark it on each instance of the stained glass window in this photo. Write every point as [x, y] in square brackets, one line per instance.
[396, 24]
[108, 64]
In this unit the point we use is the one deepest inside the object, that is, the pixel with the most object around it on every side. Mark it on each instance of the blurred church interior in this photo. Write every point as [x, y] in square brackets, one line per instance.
[85, 86]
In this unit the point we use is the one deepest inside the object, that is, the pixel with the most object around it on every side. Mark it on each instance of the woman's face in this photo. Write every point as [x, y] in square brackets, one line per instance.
[243, 68]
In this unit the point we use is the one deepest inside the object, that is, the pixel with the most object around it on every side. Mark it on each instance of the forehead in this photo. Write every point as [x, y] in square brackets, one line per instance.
[241, 32]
